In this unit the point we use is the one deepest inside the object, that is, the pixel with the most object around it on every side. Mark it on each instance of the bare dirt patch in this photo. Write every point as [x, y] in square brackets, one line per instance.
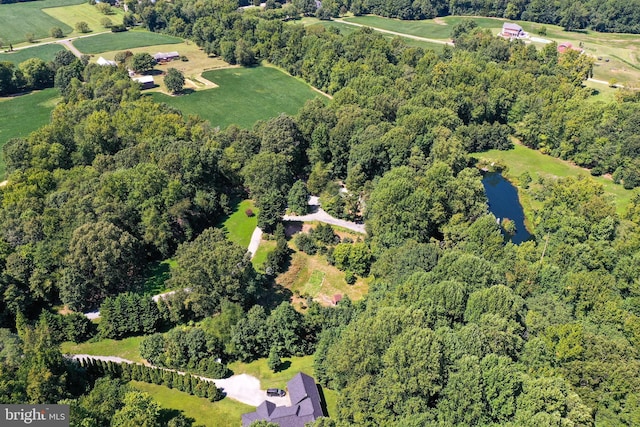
[439, 21]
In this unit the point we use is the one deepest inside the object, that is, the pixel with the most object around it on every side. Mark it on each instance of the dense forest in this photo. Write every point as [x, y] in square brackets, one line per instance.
[459, 327]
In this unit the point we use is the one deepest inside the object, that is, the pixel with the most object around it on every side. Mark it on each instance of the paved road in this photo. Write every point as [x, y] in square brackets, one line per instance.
[256, 237]
[409, 36]
[243, 388]
[605, 83]
[320, 215]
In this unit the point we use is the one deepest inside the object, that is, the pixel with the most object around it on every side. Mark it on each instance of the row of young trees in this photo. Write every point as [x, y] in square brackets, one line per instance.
[136, 372]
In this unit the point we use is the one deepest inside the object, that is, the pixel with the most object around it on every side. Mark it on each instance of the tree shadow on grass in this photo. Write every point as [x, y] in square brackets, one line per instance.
[272, 294]
[323, 401]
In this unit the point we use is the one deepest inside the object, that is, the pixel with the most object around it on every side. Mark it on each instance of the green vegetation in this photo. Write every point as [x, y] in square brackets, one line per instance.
[23, 114]
[311, 275]
[17, 19]
[223, 413]
[128, 348]
[158, 274]
[244, 96]
[71, 15]
[522, 159]
[45, 52]
[122, 41]
[258, 260]
[239, 226]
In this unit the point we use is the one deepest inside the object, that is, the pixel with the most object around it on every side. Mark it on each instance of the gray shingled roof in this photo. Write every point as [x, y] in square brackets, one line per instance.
[305, 405]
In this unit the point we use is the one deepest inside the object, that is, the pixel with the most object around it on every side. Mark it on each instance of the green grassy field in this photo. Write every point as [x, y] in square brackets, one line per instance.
[226, 412]
[122, 41]
[18, 19]
[292, 365]
[156, 277]
[70, 15]
[346, 29]
[21, 115]
[239, 226]
[46, 52]
[521, 159]
[128, 348]
[617, 56]
[266, 246]
[244, 96]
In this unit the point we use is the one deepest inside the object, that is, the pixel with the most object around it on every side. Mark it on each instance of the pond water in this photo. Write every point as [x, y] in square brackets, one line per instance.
[504, 203]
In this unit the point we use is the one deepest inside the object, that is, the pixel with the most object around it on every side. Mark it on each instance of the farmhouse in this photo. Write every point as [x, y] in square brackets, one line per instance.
[166, 56]
[305, 405]
[104, 62]
[146, 81]
[512, 31]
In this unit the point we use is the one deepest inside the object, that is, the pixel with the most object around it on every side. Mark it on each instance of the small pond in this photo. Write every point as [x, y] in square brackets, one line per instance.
[504, 203]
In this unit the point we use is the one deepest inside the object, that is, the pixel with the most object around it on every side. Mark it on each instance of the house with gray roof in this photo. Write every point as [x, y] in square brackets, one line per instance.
[305, 405]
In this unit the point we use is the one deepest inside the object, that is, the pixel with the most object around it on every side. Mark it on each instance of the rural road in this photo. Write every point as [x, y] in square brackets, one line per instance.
[320, 215]
[243, 387]
[605, 83]
[66, 42]
[395, 33]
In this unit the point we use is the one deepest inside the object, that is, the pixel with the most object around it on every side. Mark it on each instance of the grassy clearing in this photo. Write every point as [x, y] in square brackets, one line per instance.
[521, 159]
[292, 366]
[157, 276]
[617, 55]
[239, 226]
[128, 348]
[266, 246]
[346, 29]
[21, 115]
[18, 19]
[71, 15]
[244, 96]
[226, 412]
[311, 275]
[46, 52]
[122, 41]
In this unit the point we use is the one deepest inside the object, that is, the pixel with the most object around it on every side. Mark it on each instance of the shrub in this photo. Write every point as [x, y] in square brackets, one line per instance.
[30, 37]
[106, 22]
[56, 32]
[306, 244]
[249, 213]
[104, 8]
[349, 277]
[118, 28]
[82, 27]
[184, 58]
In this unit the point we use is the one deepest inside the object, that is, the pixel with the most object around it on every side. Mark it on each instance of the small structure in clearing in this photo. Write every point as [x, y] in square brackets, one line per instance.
[146, 81]
[513, 31]
[162, 57]
[104, 62]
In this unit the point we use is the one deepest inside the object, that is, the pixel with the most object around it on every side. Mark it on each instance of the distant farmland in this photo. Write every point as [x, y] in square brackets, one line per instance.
[46, 52]
[121, 41]
[244, 96]
[18, 19]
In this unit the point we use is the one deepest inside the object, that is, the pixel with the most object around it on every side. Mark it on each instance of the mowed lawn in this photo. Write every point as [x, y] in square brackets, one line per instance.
[244, 96]
[128, 348]
[121, 41]
[21, 115]
[239, 226]
[85, 12]
[18, 19]
[521, 159]
[226, 412]
[46, 52]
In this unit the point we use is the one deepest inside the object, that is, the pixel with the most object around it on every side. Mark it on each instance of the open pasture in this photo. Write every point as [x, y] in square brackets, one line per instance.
[244, 96]
[123, 41]
[617, 55]
[18, 19]
[70, 15]
[21, 115]
[46, 52]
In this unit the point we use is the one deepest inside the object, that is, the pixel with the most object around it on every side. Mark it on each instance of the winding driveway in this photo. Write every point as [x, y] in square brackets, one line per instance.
[243, 387]
[395, 33]
[319, 214]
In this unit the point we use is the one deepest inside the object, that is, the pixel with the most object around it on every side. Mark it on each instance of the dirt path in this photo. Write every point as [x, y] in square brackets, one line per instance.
[605, 83]
[243, 387]
[71, 47]
[395, 33]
